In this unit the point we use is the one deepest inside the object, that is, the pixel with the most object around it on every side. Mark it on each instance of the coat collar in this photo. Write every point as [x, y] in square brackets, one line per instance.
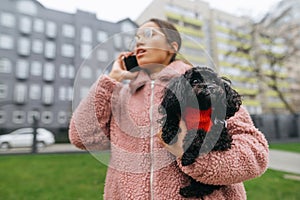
[174, 69]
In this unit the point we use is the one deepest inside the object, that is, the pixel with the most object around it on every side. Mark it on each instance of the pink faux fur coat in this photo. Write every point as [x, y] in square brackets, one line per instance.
[123, 118]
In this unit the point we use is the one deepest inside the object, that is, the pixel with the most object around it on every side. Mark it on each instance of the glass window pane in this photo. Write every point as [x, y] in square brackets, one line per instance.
[8, 20]
[20, 93]
[25, 25]
[22, 70]
[48, 94]
[24, 46]
[50, 49]
[86, 34]
[38, 26]
[37, 46]
[68, 30]
[51, 29]
[36, 68]
[102, 55]
[102, 36]
[5, 65]
[49, 72]
[67, 50]
[35, 92]
[85, 50]
[6, 42]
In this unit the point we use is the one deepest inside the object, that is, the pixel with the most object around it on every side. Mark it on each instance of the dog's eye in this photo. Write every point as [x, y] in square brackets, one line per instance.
[195, 81]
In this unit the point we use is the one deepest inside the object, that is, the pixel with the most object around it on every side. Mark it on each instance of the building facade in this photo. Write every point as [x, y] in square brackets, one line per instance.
[222, 35]
[43, 52]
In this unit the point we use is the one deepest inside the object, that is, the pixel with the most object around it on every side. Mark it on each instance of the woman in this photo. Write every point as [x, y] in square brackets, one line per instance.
[124, 118]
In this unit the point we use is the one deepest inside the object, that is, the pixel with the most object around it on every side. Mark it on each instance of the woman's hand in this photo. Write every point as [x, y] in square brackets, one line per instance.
[177, 148]
[118, 71]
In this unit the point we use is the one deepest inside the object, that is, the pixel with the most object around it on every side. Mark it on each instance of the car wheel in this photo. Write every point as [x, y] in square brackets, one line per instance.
[4, 146]
[41, 145]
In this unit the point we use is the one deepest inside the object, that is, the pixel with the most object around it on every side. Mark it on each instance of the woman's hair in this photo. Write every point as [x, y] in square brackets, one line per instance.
[170, 32]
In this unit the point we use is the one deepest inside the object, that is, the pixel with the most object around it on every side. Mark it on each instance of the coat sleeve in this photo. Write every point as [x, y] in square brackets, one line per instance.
[246, 159]
[89, 125]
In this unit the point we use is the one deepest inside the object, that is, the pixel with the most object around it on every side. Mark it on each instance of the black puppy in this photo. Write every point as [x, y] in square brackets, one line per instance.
[204, 101]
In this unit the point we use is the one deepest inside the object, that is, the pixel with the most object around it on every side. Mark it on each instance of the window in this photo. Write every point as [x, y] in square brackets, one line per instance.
[67, 71]
[22, 70]
[50, 50]
[37, 46]
[102, 36]
[20, 93]
[86, 72]
[49, 72]
[25, 25]
[5, 65]
[67, 50]
[24, 46]
[48, 94]
[35, 92]
[86, 34]
[102, 55]
[2, 117]
[6, 42]
[7, 20]
[18, 117]
[38, 26]
[51, 30]
[3, 91]
[27, 7]
[63, 71]
[71, 71]
[65, 93]
[84, 92]
[70, 93]
[36, 68]
[62, 93]
[85, 50]
[47, 117]
[118, 41]
[68, 30]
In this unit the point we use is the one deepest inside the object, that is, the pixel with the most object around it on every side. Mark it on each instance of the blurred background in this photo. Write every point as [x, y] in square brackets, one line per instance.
[52, 51]
[42, 49]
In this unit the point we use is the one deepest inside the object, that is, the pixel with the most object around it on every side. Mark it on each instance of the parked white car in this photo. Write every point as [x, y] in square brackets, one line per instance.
[23, 137]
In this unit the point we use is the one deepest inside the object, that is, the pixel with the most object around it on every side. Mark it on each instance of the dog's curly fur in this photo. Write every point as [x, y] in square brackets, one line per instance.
[200, 88]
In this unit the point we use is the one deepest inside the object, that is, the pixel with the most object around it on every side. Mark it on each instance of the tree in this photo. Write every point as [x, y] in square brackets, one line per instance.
[274, 42]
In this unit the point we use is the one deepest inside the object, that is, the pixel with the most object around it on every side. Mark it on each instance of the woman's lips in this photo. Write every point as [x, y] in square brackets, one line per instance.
[140, 52]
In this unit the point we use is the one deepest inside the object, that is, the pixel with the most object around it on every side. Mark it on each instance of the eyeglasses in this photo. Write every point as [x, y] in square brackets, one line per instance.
[145, 34]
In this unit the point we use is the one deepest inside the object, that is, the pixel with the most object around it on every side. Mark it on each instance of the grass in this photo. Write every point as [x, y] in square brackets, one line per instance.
[272, 186]
[65, 177]
[293, 147]
[81, 177]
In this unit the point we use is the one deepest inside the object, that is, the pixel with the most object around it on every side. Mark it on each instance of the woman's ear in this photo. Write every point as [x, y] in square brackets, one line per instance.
[174, 47]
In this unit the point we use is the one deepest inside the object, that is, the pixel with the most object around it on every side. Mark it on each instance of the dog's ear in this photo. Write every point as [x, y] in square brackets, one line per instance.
[233, 98]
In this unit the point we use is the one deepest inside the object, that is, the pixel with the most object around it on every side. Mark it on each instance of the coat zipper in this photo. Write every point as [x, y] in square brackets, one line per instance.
[151, 141]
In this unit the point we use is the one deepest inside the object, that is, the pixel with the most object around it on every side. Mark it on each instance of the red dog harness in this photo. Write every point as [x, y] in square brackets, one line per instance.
[198, 119]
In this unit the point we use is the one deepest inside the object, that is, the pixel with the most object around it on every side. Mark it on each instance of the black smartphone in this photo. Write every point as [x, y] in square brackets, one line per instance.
[131, 63]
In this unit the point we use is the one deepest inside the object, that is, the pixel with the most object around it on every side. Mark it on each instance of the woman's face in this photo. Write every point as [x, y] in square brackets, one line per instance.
[152, 49]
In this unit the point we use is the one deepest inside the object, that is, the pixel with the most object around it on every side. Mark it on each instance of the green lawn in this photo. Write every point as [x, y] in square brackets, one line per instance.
[81, 177]
[293, 147]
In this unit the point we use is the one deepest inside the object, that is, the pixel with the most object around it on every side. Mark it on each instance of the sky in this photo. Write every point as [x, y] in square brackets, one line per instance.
[115, 10]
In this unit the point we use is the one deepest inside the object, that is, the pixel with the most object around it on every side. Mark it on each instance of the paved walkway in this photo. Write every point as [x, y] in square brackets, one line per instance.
[284, 161]
[279, 160]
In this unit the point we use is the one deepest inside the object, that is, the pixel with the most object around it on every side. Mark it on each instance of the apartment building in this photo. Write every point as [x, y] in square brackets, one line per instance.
[208, 35]
[216, 36]
[49, 58]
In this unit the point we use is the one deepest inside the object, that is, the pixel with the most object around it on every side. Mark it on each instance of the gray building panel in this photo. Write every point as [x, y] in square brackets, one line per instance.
[31, 90]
